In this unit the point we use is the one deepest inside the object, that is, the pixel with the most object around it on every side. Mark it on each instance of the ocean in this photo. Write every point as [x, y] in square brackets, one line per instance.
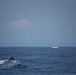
[38, 61]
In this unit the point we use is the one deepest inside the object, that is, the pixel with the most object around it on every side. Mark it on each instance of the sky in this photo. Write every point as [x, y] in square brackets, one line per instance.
[37, 23]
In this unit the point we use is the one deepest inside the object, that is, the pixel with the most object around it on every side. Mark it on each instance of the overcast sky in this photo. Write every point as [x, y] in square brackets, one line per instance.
[37, 22]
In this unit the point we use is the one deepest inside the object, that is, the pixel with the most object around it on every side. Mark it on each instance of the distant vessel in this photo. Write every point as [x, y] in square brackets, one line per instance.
[55, 47]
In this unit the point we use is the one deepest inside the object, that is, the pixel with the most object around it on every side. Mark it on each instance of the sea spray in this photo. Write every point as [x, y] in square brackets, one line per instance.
[8, 63]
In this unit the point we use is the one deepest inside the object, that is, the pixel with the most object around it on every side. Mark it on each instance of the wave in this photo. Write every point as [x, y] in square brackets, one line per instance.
[2, 61]
[8, 63]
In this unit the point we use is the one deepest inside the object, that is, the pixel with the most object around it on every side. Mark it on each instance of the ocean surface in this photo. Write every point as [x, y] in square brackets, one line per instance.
[38, 61]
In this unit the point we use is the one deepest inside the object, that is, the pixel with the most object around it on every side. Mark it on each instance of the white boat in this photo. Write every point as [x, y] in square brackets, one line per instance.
[54, 46]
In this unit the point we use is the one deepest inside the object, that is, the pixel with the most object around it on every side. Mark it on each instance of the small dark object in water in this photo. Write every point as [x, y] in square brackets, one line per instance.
[12, 58]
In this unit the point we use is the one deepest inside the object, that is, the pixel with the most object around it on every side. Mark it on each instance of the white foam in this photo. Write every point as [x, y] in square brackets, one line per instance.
[2, 61]
[8, 63]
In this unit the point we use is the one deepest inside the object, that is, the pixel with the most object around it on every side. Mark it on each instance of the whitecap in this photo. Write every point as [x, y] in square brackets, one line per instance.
[8, 63]
[2, 61]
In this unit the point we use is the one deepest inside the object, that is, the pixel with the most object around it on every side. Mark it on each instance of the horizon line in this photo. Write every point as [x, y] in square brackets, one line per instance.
[36, 46]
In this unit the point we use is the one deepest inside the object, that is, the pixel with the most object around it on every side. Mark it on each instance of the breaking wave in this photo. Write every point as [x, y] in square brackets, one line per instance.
[8, 63]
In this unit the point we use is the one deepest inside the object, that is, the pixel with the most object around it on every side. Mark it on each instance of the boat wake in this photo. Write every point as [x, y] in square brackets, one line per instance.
[8, 63]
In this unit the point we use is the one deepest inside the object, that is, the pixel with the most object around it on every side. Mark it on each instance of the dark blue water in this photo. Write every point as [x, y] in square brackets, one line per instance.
[40, 61]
